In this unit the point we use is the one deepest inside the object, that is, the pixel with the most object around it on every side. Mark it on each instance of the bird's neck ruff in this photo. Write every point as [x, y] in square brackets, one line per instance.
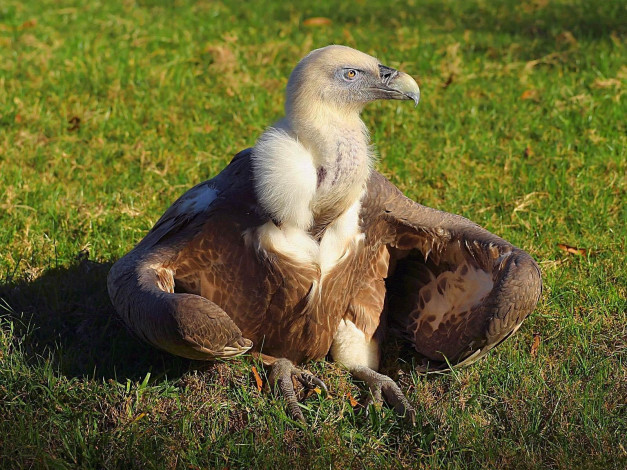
[309, 176]
[308, 170]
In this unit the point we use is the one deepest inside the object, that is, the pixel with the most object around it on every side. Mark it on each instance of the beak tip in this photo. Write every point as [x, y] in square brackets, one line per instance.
[408, 87]
[401, 85]
[414, 96]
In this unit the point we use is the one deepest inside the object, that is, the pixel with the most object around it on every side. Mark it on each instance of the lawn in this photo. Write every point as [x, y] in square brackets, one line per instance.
[110, 110]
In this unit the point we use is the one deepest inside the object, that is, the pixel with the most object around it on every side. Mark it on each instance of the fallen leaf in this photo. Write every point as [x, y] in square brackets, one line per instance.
[230, 37]
[75, 123]
[348, 36]
[534, 5]
[317, 21]
[257, 379]
[535, 345]
[352, 400]
[614, 36]
[528, 199]
[28, 24]
[530, 65]
[529, 95]
[594, 137]
[311, 391]
[581, 98]
[572, 249]
[567, 37]
[223, 59]
[140, 416]
[549, 59]
[451, 65]
[609, 83]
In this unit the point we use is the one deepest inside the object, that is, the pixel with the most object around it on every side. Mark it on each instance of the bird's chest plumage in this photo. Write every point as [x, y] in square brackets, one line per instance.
[304, 308]
[285, 290]
[308, 284]
[287, 284]
[310, 300]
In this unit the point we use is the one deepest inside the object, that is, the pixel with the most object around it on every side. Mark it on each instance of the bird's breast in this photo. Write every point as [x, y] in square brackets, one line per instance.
[286, 291]
[311, 296]
[301, 247]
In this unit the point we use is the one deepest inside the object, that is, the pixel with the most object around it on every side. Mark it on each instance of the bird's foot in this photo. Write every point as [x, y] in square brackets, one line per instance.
[281, 375]
[381, 386]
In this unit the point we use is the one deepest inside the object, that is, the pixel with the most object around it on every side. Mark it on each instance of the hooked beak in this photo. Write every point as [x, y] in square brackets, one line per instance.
[396, 85]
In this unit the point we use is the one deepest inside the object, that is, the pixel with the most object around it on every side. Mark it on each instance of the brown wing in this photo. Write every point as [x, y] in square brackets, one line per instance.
[226, 295]
[270, 298]
[454, 289]
[141, 284]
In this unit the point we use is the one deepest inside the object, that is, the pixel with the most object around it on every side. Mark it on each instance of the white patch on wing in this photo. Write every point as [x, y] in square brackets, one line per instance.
[452, 294]
[285, 178]
[351, 348]
[198, 200]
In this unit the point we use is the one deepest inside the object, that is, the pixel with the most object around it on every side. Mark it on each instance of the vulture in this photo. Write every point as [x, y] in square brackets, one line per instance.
[299, 250]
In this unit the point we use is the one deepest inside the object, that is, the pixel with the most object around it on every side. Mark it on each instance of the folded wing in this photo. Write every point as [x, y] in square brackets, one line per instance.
[141, 284]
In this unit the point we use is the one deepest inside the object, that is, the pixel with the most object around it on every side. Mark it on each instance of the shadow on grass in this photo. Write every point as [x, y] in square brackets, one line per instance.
[541, 20]
[65, 316]
[582, 19]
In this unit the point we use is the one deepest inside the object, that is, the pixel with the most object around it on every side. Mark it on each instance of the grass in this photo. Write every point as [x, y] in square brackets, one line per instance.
[110, 110]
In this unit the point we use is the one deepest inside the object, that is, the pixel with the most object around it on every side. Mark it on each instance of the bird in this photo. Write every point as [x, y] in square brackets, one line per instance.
[299, 250]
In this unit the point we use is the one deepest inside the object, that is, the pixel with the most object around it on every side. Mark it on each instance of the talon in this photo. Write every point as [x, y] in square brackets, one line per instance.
[382, 386]
[281, 376]
[310, 381]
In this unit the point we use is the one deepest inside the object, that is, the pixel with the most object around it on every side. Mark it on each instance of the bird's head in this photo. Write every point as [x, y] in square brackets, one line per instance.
[344, 79]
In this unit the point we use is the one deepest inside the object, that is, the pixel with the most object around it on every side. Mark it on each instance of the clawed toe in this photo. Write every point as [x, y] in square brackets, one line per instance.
[384, 388]
[310, 381]
[281, 377]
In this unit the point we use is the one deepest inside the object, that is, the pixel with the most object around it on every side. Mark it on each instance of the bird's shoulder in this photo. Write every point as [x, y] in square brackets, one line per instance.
[229, 192]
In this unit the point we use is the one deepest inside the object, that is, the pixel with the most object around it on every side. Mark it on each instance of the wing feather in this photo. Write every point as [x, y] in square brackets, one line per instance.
[454, 289]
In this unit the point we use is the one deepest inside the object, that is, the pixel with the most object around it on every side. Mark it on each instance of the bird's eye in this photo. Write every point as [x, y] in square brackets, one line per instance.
[350, 74]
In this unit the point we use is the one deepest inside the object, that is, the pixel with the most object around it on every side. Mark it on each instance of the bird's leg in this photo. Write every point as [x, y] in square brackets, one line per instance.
[360, 355]
[382, 387]
[283, 370]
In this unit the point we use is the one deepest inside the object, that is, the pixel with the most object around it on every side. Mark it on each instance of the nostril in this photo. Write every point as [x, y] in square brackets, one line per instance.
[387, 73]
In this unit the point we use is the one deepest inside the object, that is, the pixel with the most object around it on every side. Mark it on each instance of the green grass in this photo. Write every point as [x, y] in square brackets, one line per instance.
[110, 110]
